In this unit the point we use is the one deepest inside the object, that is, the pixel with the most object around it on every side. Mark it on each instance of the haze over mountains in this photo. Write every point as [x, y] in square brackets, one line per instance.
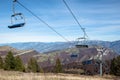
[52, 46]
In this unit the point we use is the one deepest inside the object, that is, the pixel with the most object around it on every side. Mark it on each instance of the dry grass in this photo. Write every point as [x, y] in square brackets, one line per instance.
[11, 75]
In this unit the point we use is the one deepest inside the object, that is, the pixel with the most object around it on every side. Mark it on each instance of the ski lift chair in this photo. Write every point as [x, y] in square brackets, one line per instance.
[81, 44]
[14, 18]
[73, 55]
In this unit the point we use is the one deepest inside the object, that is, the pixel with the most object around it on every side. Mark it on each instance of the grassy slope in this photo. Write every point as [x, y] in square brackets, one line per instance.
[11, 75]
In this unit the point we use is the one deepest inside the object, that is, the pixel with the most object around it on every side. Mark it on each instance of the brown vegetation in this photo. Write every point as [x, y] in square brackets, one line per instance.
[14, 75]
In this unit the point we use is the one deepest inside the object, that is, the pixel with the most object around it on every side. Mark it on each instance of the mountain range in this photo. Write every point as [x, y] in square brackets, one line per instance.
[66, 56]
[53, 46]
[47, 53]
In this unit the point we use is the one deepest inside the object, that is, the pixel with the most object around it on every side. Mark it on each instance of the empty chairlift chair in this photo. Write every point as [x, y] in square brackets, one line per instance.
[81, 43]
[15, 18]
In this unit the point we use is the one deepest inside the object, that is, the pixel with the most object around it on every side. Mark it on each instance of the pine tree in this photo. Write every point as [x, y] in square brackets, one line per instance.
[115, 66]
[9, 61]
[33, 65]
[1, 63]
[19, 64]
[58, 66]
[112, 66]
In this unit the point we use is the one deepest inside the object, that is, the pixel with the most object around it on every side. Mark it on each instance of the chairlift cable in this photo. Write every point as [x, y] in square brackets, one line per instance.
[83, 29]
[43, 22]
[85, 36]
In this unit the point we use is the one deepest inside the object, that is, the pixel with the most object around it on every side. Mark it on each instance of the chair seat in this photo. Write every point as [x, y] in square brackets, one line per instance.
[16, 25]
[82, 46]
[73, 55]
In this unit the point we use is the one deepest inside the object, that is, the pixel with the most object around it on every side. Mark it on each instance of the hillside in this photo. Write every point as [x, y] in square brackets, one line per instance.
[49, 58]
[46, 47]
[70, 58]
[24, 54]
[5, 49]
[65, 55]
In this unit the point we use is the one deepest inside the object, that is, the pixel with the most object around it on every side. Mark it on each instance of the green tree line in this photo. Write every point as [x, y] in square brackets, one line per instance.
[15, 63]
[12, 63]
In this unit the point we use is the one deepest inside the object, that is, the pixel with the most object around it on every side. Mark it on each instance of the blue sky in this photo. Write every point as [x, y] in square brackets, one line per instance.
[101, 18]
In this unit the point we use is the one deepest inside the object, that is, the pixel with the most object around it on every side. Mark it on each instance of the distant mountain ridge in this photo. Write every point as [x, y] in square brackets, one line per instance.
[39, 46]
[48, 59]
[52, 46]
[115, 45]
